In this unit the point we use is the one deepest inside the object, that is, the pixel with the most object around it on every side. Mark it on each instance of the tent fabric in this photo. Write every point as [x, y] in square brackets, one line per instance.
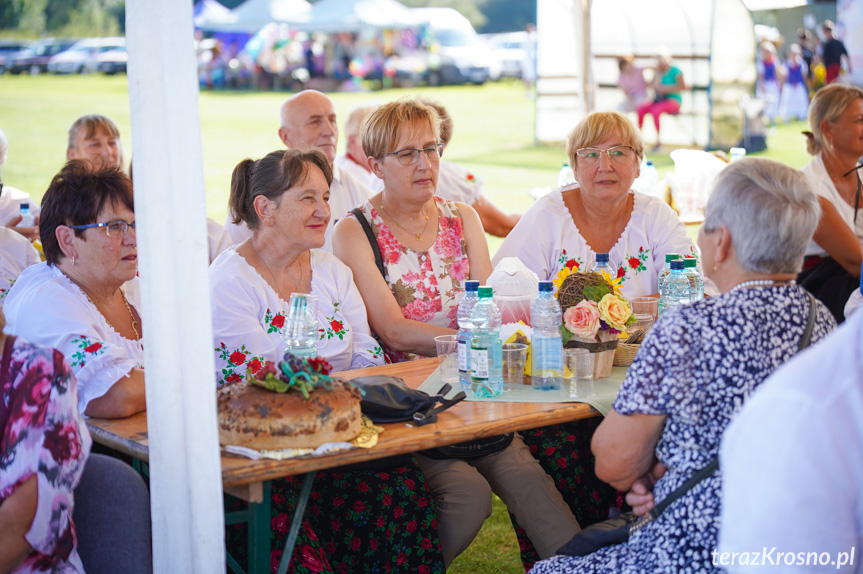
[206, 10]
[334, 16]
[252, 15]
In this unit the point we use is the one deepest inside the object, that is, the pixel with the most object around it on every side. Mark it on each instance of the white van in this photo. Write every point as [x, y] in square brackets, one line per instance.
[456, 53]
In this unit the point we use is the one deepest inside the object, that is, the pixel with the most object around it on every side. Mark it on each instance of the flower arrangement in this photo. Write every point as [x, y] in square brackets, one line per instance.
[593, 306]
[293, 374]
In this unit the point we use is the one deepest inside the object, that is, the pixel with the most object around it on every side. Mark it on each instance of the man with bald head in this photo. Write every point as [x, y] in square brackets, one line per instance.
[308, 121]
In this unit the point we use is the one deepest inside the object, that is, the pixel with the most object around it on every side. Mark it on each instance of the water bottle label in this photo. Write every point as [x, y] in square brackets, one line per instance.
[462, 357]
[479, 363]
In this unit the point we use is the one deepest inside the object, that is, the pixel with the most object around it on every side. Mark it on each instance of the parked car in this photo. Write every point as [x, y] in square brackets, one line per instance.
[456, 54]
[82, 57]
[509, 49]
[9, 49]
[35, 58]
[112, 61]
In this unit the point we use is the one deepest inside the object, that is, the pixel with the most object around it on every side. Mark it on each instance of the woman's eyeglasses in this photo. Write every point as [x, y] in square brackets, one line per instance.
[117, 228]
[411, 156]
[616, 154]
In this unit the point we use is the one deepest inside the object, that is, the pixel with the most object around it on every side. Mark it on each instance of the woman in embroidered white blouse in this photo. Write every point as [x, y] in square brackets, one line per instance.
[82, 301]
[600, 213]
[283, 198]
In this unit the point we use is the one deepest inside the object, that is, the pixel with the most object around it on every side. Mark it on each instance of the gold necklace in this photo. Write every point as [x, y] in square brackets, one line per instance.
[275, 281]
[419, 235]
[125, 302]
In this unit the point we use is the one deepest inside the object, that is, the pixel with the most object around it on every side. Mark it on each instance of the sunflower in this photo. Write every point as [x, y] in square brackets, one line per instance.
[615, 283]
[561, 276]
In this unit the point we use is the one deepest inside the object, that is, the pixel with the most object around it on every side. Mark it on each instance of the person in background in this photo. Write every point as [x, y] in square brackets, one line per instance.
[44, 444]
[11, 200]
[804, 39]
[96, 139]
[792, 463]
[770, 79]
[601, 213]
[307, 122]
[832, 52]
[794, 101]
[831, 270]
[16, 254]
[631, 82]
[668, 83]
[528, 63]
[354, 160]
[430, 246]
[83, 299]
[700, 363]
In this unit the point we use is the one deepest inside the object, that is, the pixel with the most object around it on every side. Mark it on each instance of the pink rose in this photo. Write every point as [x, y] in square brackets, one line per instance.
[583, 319]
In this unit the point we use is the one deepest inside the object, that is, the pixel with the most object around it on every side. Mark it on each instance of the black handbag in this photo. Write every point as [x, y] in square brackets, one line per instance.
[620, 526]
[389, 400]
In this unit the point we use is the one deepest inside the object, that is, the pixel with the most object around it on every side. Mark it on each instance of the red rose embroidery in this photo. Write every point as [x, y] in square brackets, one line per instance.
[401, 558]
[93, 348]
[336, 326]
[280, 523]
[621, 272]
[470, 177]
[425, 543]
[398, 511]
[410, 484]
[255, 365]
[387, 500]
[412, 526]
[572, 264]
[634, 262]
[278, 321]
[561, 462]
[233, 378]
[359, 506]
[355, 543]
[238, 358]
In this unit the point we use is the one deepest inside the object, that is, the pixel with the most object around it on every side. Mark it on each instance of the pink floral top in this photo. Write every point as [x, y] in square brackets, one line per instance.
[427, 285]
[44, 436]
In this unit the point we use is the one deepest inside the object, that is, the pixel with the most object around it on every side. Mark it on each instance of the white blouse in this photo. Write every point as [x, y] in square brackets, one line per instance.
[16, 254]
[823, 186]
[249, 317]
[46, 308]
[546, 240]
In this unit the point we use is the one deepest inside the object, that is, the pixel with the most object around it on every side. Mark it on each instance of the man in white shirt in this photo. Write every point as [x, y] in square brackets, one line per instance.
[792, 465]
[308, 121]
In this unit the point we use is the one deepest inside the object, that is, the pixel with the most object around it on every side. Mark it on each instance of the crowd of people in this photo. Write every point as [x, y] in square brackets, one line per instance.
[297, 224]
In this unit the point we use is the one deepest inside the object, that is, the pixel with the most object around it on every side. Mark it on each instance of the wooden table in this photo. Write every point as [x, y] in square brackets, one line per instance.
[249, 479]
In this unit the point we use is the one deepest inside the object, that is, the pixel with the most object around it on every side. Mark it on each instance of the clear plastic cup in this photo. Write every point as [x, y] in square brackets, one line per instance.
[645, 306]
[578, 373]
[514, 357]
[447, 354]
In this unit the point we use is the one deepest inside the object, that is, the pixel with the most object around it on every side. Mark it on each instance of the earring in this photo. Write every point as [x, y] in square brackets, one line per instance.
[73, 262]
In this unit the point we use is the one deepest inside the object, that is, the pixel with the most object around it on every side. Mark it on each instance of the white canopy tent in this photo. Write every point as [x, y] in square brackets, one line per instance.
[252, 15]
[711, 41]
[355, 15]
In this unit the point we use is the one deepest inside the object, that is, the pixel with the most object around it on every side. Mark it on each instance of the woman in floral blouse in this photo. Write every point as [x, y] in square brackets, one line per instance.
[43, 445]
[430, 246]
[359, 520]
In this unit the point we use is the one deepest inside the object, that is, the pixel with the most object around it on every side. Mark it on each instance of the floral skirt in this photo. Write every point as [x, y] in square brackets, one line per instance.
[563, 451]
[356, 521]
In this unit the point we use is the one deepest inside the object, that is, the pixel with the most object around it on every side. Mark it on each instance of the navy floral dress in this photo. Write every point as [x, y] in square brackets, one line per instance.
[697, 367]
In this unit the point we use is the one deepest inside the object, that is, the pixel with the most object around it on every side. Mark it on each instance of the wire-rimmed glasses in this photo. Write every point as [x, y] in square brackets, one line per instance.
[616, 154]
[117, 228]
[410, 156]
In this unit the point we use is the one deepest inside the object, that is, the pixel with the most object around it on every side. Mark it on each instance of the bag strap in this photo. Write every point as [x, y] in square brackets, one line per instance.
[714, 464]
[430, 415]
[376, 250]
[4, 376]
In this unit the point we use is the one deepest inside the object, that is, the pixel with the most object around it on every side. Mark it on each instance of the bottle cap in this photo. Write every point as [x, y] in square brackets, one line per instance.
[676, 264]
[485, 292]
[546, 286]
[25, 205]
[669, 257]
[649, 163]
[601, 258]
[471, 285]
[689, 262]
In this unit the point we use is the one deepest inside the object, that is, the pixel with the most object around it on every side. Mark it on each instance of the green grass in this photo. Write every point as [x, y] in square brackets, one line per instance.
[493, 137]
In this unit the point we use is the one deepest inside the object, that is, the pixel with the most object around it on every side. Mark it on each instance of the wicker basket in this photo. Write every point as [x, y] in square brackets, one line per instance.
[603, 360]
[624, 354]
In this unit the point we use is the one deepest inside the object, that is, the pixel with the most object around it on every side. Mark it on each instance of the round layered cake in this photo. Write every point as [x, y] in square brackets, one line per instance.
[254, 417]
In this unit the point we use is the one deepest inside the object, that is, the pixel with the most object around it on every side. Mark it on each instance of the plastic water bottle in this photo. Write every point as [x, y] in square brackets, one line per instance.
[648, 180]
[669, 257]
[737, 153]
[604, 264]
[675, 290]
[546, 345]
[27, 219]
[471, 296]
[696, 283]
[301, 327]
[566, 176]
[486, 352]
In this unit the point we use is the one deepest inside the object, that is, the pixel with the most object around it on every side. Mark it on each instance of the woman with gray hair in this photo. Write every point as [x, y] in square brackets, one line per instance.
[700, 363]
[831, 270]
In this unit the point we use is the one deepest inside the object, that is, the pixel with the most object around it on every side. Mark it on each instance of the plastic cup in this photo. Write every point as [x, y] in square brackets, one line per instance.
[578, 373]
[447, 354]
[645, 306]
[514, 356]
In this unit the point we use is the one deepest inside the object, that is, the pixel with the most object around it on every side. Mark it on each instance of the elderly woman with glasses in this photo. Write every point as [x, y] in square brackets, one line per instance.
[429, 247]
[601, 213]
[82, 300]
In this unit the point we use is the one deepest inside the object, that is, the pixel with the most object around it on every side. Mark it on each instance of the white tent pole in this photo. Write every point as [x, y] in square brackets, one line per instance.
[185, 471]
